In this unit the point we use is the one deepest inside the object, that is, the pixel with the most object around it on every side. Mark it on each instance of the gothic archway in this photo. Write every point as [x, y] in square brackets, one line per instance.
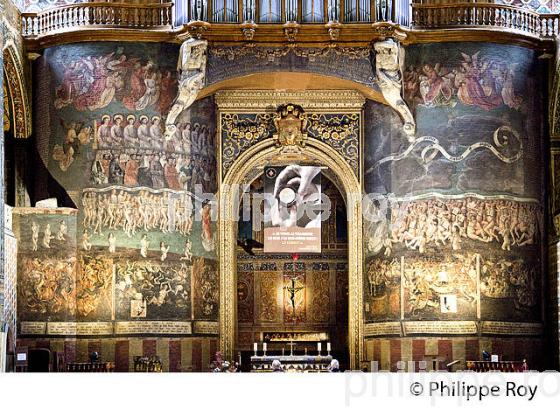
[255, 157]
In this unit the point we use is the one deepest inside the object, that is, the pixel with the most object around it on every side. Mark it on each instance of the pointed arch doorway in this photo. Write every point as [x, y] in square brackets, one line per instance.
[239, 168]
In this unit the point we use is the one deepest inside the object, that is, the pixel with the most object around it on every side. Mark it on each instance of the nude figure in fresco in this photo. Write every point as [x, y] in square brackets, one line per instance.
[131, 211]
[86, 244]
[47, 236]
[112, 243]
[164, 249]
[62, 231]
[187, 254]
[144, 245]
[34, 236]
[450, 221]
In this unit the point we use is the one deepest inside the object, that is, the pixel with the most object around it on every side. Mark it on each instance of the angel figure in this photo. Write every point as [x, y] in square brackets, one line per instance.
[436, 85]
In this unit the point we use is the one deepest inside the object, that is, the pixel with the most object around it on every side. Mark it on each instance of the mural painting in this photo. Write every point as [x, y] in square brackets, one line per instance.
[450, 88]
[206, 289]
[144, 236]
[146, 290]
[455, 229]
[94, 284]
[46, 265]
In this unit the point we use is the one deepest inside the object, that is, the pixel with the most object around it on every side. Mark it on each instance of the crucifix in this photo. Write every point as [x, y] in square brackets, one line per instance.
[292, 344]
[293, 289]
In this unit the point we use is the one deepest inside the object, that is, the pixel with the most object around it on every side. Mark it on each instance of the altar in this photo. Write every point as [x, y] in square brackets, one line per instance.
[292, 363]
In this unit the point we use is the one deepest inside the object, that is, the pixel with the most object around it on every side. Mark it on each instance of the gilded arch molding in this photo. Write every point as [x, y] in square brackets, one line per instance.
[15, 80]
[258, 155]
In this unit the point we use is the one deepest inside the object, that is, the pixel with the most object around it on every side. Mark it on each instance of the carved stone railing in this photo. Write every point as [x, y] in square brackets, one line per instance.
[98, 15]
[484, 15]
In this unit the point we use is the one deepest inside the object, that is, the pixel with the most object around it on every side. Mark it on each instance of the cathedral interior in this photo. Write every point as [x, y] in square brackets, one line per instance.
[132, 129]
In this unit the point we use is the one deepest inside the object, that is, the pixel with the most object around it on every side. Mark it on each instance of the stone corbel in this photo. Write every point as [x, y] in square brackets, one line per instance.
[387, 64]
[192, 69]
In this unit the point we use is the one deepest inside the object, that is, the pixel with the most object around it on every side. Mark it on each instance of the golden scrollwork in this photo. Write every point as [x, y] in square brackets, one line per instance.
[340, 131]
[7, 123]
[334, 117]
[242, 131]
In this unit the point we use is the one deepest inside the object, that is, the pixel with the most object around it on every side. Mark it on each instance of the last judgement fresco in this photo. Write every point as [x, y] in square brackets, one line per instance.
[456, 219]
[453, 233]
[143, 237]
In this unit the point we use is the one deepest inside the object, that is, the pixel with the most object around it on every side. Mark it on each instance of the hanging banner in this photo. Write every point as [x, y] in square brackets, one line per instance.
[292, 211]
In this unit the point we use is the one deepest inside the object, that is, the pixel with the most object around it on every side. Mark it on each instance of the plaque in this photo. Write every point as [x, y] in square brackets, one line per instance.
[441, 327]
[510, 328]
[33, 328]
[94, 328]
[153, 327]
[206, 328]
[382, 328]
[61, 328]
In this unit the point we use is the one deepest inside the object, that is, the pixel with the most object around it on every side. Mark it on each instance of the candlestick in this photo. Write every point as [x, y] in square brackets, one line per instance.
[282, 351]
[306, 351]
[319, 346]
[264, 349]
[255, 348]
[328, 347]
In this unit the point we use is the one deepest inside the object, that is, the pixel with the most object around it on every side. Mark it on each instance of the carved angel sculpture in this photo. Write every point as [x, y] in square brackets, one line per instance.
[192, 67]
[388, 59]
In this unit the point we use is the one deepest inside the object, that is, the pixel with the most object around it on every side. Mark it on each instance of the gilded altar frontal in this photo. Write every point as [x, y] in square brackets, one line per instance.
[270, 185]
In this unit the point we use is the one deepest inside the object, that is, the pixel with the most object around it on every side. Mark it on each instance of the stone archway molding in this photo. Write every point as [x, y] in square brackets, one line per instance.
[17, 92]
[262, 153]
